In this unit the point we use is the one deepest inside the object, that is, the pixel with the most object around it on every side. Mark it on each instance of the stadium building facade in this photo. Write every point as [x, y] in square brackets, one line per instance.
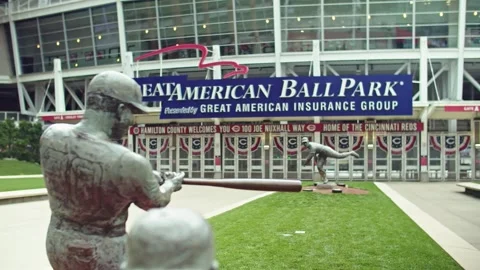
[428, 132]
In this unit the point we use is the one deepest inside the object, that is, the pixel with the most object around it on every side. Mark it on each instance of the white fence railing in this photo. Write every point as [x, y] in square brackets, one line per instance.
[27, 5]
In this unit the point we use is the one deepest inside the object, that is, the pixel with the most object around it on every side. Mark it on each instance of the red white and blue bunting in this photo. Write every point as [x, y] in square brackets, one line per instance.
[396, 144]
[195, 143]
[451, 146]
[343, 143]
[154, 147]
[242, 146]
[291, 146]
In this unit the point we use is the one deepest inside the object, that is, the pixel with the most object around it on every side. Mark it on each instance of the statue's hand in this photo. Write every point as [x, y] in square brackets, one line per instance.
[175, 178]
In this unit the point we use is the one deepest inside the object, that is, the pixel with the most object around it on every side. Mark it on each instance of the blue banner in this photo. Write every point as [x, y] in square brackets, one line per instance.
[373, 95]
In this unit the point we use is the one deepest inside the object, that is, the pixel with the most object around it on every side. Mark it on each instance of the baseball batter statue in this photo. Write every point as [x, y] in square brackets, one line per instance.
[170, 238]
[92, 180]
[321, 153]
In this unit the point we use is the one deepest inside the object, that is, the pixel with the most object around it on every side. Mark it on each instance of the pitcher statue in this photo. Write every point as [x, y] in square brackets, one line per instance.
[321, 153]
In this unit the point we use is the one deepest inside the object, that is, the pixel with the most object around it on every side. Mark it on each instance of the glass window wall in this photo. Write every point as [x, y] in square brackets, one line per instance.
[79, 38]
[53, 40]
[141, 28]
[437, 20]
[472, 28]
[215, 24]
[390, 24]
[301, 23]
[105, 34]
[29, 46]
[254, 26]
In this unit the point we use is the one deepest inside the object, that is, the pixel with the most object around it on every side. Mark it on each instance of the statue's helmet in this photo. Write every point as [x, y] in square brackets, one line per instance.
[118, 86]
[305, 140]
[170, 238]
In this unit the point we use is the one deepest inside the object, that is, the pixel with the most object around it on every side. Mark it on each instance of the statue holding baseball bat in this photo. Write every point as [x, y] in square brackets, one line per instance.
[92, 181]
[321, 152]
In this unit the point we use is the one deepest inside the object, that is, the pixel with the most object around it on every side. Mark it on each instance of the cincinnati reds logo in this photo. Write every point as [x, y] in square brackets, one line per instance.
[343, 143]
[292, 145]
[451, 146]
[242, 147]
[236, 128]
[135, 130]
[154, 145]
[396, 144]
[311, 128]
[195, 143]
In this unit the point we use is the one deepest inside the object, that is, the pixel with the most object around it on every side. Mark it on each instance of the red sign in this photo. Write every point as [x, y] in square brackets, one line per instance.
[280, 128]
[62, 117]
[462, 108]
[375, 127]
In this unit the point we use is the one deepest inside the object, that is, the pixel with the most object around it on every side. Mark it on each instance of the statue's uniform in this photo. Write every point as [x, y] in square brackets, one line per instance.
[89, 198]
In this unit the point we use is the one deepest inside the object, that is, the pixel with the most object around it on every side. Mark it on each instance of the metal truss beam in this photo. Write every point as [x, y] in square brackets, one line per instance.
[74, 96]
[471, 80]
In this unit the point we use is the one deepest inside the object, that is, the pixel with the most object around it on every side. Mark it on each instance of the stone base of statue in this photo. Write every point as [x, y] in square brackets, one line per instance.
[321, 185]
[333, 188]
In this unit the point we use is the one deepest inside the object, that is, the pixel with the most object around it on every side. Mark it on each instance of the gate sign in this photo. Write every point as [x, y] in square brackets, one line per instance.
[375, 95]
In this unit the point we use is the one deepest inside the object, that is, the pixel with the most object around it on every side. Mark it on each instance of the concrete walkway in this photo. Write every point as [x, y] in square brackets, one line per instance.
[445, 213]
[21, 176]
[24, 225]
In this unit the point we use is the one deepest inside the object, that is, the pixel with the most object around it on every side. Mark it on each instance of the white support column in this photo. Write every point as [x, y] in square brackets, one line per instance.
[18, 65]
[127, 65]
[316, 58]
[424, 144]
[217, 140]
[39, 94]
[121, 31]
[277, 31]
[59, 90]
[423, 70]
[457, 91]
[217, 70]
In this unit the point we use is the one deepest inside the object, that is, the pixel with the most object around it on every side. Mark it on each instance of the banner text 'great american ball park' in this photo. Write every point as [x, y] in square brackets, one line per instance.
[373, 95]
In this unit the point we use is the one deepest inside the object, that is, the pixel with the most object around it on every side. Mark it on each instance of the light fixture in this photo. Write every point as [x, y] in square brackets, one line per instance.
[411, 2]
[369, 17]
[174, 28]
[118, 59]
[475, 13]
[298, 19]
[99, 36]
[76, 64]
[58, 43]
[267, 21]
[146, 31]
[204, 26]
[302, 31]
[404, 15]
[78, 40]
[176, 44]
[343, 26]
[408, 24]
[441, 14]
[333, 18]
[38, 46]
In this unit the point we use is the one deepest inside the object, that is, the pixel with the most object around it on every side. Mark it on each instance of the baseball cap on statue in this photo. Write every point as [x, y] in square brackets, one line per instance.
[119, 86]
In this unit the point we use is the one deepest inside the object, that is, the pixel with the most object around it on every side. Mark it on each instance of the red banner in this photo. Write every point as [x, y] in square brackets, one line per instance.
[462, 108]
[62, 117]
[280, 128]
[375, 127]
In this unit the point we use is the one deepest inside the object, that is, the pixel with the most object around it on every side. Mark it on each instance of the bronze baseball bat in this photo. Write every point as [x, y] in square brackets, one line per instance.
[249, 184]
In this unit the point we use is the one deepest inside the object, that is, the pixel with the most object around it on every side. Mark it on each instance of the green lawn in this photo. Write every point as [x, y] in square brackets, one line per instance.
[21, 184]
[15, 167]
[341, 232]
